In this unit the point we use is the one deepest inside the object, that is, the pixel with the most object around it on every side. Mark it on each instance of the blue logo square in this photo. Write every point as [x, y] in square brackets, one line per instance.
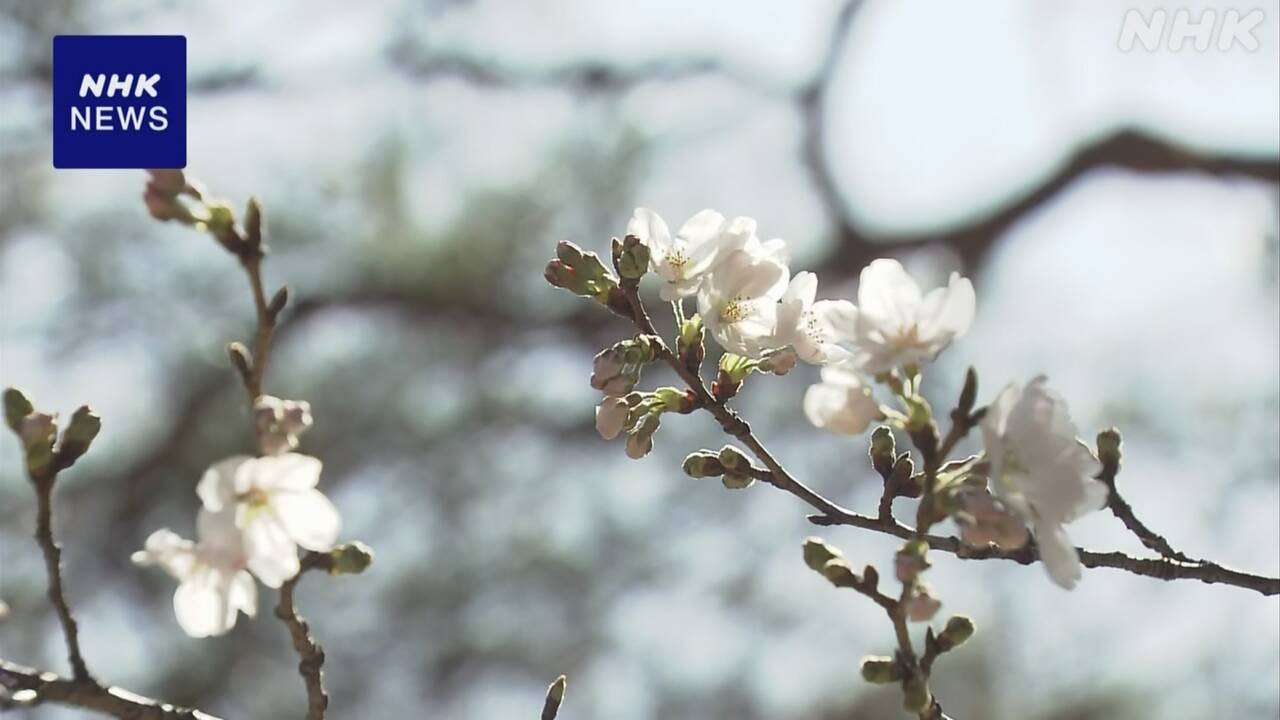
[119, 101]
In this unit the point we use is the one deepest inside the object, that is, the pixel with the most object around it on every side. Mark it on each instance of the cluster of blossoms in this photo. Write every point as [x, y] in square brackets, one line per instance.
[1035, 476]
[256, 512]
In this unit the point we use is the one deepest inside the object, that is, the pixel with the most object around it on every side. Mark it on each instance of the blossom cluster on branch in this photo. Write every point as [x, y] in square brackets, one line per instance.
[1012, 501]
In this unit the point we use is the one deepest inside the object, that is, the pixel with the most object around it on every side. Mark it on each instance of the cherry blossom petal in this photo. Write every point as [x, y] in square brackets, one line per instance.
[947, 313]
[840, 407]
[217, 487]
[886, 293]
[309, 518]
[291, 471]
[200, 607]
[652, 230]
[271, 554]
[1058, 555]
[173, 553]
[242, 596]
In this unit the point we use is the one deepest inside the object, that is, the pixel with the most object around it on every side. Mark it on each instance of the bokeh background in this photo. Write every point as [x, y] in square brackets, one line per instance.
[418, 159]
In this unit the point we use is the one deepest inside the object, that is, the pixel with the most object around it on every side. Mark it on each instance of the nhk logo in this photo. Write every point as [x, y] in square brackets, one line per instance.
[100, 117]
[119, 101]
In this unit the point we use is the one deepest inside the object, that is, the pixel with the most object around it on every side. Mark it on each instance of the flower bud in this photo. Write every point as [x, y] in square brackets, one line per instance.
[915, 694]
[818, 553]
[253, 223]
[691, 345]
[969, 393]
[733, 460]
[870, 576]
[880, 670]
[640, 441]
[839, 573]
[619, 386]
[563, 276]
[38, 432]
[169, 182]
[37, 429]
[922, 605]
[606, 365]
[630, 257]
[278, 301]
[737, 481]
[703, 464]
[908, 567]
[882, 451]
[674, 400]
[241, 359]
[16, 407]
[351, 558]
[611, 417]
[555, 697]
[1109, 446]
[959, 629]
[80, 432]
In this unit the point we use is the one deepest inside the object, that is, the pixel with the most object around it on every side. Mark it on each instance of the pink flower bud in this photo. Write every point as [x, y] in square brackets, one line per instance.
[922, 606]
[611, 417]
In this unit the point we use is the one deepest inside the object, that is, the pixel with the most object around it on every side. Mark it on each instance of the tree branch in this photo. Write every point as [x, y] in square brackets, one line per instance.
[1165, 568]
[23, 687]
[53, 567]
[309, 651]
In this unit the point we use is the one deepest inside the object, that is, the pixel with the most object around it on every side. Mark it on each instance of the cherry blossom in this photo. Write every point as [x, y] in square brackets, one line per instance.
[815, 328]
[738, 302]
[276, 509]
[896, 325]
[214, 585]
[842, 402]
[684, 259]
[1041, 471]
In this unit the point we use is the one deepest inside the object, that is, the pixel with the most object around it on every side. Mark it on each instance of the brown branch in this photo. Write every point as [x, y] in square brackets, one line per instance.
[252, 262]
[53, 568]
[309, 651]
[1160, 568]
[23, 687]
[833, 514]
[1122, 510]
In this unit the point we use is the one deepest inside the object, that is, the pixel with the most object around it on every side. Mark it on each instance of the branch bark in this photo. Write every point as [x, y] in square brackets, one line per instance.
[310, 654]
[24, 687]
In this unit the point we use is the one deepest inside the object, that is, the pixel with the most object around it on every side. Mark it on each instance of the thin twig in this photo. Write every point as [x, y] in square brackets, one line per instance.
[53, 568]
[1122, 510]
[311, 663]
[251, 260]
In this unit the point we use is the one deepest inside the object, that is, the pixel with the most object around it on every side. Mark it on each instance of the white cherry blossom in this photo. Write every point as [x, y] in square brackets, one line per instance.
[738, 302]
[276, 508]
[684, 259]
[814, 327]
[214, 585]
[897, 325]
[842, 402]
[1041, 471]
